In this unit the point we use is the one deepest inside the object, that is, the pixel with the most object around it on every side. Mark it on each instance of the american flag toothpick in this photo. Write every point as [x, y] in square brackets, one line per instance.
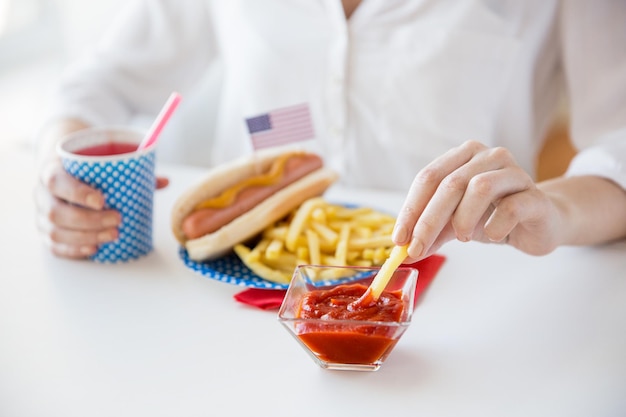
[281, 126]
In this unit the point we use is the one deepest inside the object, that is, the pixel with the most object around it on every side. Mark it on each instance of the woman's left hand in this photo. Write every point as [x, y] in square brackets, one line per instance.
[473, 192]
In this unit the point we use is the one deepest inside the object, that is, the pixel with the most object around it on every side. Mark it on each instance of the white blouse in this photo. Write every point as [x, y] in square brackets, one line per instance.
[389, 90]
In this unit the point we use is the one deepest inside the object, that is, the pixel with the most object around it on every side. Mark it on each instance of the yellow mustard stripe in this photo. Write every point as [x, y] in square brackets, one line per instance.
[228, 196]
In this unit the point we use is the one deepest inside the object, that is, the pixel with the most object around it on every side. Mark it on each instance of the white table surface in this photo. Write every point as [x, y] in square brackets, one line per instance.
[498, 333]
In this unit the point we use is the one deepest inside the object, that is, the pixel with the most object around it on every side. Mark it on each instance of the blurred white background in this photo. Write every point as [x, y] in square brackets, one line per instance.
[37, 39]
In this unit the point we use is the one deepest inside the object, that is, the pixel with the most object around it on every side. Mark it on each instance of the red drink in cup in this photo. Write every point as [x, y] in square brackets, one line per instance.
[105, 149]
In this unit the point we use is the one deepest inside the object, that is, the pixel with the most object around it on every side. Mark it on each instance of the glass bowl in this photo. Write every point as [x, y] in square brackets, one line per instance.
[309, 312]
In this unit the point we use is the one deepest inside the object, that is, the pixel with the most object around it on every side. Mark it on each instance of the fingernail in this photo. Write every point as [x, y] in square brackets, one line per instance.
[110, 220]
[400, 234]
[94, 201]
[86, 250]
[106, 236]
[415, 249]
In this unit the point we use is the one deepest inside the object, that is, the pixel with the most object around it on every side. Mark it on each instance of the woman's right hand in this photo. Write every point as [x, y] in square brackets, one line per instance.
[71, 214]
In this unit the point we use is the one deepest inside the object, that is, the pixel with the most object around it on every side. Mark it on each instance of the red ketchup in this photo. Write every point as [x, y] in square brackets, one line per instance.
[350, 343]
[105, 149]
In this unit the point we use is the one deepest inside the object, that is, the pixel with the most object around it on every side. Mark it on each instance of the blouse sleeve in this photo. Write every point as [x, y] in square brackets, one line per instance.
[594, 58]
[152, 49]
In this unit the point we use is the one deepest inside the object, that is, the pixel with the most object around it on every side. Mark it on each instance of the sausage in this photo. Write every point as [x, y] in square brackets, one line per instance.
[207, 220]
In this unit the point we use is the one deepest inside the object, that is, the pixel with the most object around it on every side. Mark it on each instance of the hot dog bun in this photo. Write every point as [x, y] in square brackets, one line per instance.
[226, 177]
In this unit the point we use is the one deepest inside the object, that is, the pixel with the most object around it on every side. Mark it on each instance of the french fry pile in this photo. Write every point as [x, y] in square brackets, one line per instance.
[320, 233]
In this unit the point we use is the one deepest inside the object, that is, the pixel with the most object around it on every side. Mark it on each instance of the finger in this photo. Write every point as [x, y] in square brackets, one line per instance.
[162, 182]
[73, 252]
[66, 187]
[434, 218]
[425, 185]
[65, 215]
[76, 238]
[70, 251]
[524, 214]
[484, 191]
[446, 235]
[499, 226]
[445, 201]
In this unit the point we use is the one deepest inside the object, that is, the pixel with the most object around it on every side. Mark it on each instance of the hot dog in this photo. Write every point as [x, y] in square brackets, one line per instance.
[237, 200]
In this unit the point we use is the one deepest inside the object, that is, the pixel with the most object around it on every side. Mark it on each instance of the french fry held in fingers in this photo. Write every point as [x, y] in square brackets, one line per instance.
[396, 257]
[320, 233]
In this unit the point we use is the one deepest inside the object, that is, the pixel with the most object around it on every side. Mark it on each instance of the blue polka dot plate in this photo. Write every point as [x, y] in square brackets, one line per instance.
[228, 269]
[231, 270]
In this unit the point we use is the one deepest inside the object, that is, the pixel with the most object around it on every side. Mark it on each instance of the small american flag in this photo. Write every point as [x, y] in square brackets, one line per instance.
[281, 126]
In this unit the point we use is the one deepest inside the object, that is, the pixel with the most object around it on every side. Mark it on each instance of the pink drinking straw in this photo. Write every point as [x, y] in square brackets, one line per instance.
[165, 114]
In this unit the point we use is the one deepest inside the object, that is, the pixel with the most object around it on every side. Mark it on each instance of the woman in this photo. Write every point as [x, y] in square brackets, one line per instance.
[394, 89]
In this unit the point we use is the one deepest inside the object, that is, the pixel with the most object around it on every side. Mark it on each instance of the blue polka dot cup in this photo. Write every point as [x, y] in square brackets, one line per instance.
[108, 160]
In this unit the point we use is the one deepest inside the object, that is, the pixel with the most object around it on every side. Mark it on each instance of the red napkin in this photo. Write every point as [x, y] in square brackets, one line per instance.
[272, 299]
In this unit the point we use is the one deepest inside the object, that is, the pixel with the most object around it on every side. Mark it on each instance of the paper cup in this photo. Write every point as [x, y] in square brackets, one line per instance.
[127, 181]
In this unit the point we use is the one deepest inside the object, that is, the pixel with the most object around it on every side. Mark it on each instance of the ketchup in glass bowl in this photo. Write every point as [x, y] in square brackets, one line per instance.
[336, 331]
